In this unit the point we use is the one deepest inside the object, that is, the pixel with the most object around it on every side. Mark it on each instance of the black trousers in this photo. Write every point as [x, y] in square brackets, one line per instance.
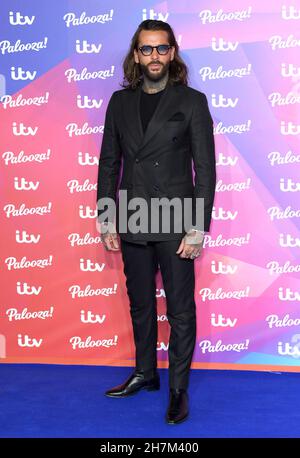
[140, 267]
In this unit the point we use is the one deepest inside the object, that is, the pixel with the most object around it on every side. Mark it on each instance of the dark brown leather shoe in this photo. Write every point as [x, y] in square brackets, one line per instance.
[135, 382]
[178, 409]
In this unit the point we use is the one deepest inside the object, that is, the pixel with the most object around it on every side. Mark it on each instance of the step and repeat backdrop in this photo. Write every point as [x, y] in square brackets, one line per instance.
[63, 296]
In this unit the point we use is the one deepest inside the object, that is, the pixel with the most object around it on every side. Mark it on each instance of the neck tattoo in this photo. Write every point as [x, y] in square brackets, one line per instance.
[152, 87]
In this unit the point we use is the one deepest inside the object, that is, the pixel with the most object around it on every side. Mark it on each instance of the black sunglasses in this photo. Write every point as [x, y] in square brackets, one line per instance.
[147, 50]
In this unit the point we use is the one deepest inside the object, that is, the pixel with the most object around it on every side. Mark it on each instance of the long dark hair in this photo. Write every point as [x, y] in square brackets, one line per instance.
[178, 71]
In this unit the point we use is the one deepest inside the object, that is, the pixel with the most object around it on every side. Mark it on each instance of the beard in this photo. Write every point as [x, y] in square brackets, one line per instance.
[155, 75]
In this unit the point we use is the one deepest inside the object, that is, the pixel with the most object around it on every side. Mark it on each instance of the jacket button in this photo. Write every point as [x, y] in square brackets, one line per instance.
[137, 160]
[174, 139]
[156, 164]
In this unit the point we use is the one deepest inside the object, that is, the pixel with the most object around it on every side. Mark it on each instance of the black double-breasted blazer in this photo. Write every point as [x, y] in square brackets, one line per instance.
[160, 161]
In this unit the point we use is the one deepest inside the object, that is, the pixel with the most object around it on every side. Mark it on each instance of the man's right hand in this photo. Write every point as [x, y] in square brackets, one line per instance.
[109, 237]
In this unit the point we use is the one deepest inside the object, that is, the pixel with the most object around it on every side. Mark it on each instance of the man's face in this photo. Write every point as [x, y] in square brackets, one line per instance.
[154, 66]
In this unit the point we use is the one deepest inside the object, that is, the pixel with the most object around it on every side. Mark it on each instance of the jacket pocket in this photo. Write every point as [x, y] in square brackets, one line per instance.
[184, 189]
[125, 185]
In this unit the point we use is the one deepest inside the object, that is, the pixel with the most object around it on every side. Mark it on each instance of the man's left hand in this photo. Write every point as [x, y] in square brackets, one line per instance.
[191, 245]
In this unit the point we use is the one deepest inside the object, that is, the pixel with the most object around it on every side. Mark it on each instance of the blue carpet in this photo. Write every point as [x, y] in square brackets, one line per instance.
[39, 400]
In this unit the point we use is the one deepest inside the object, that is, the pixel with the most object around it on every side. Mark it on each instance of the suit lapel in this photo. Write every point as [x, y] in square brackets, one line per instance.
[167, 105]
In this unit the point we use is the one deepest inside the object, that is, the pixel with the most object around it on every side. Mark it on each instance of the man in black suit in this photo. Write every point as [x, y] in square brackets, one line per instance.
[161, 128]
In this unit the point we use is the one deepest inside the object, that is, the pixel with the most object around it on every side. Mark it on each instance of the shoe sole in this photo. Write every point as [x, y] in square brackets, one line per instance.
[177, 422]
[148, 388]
